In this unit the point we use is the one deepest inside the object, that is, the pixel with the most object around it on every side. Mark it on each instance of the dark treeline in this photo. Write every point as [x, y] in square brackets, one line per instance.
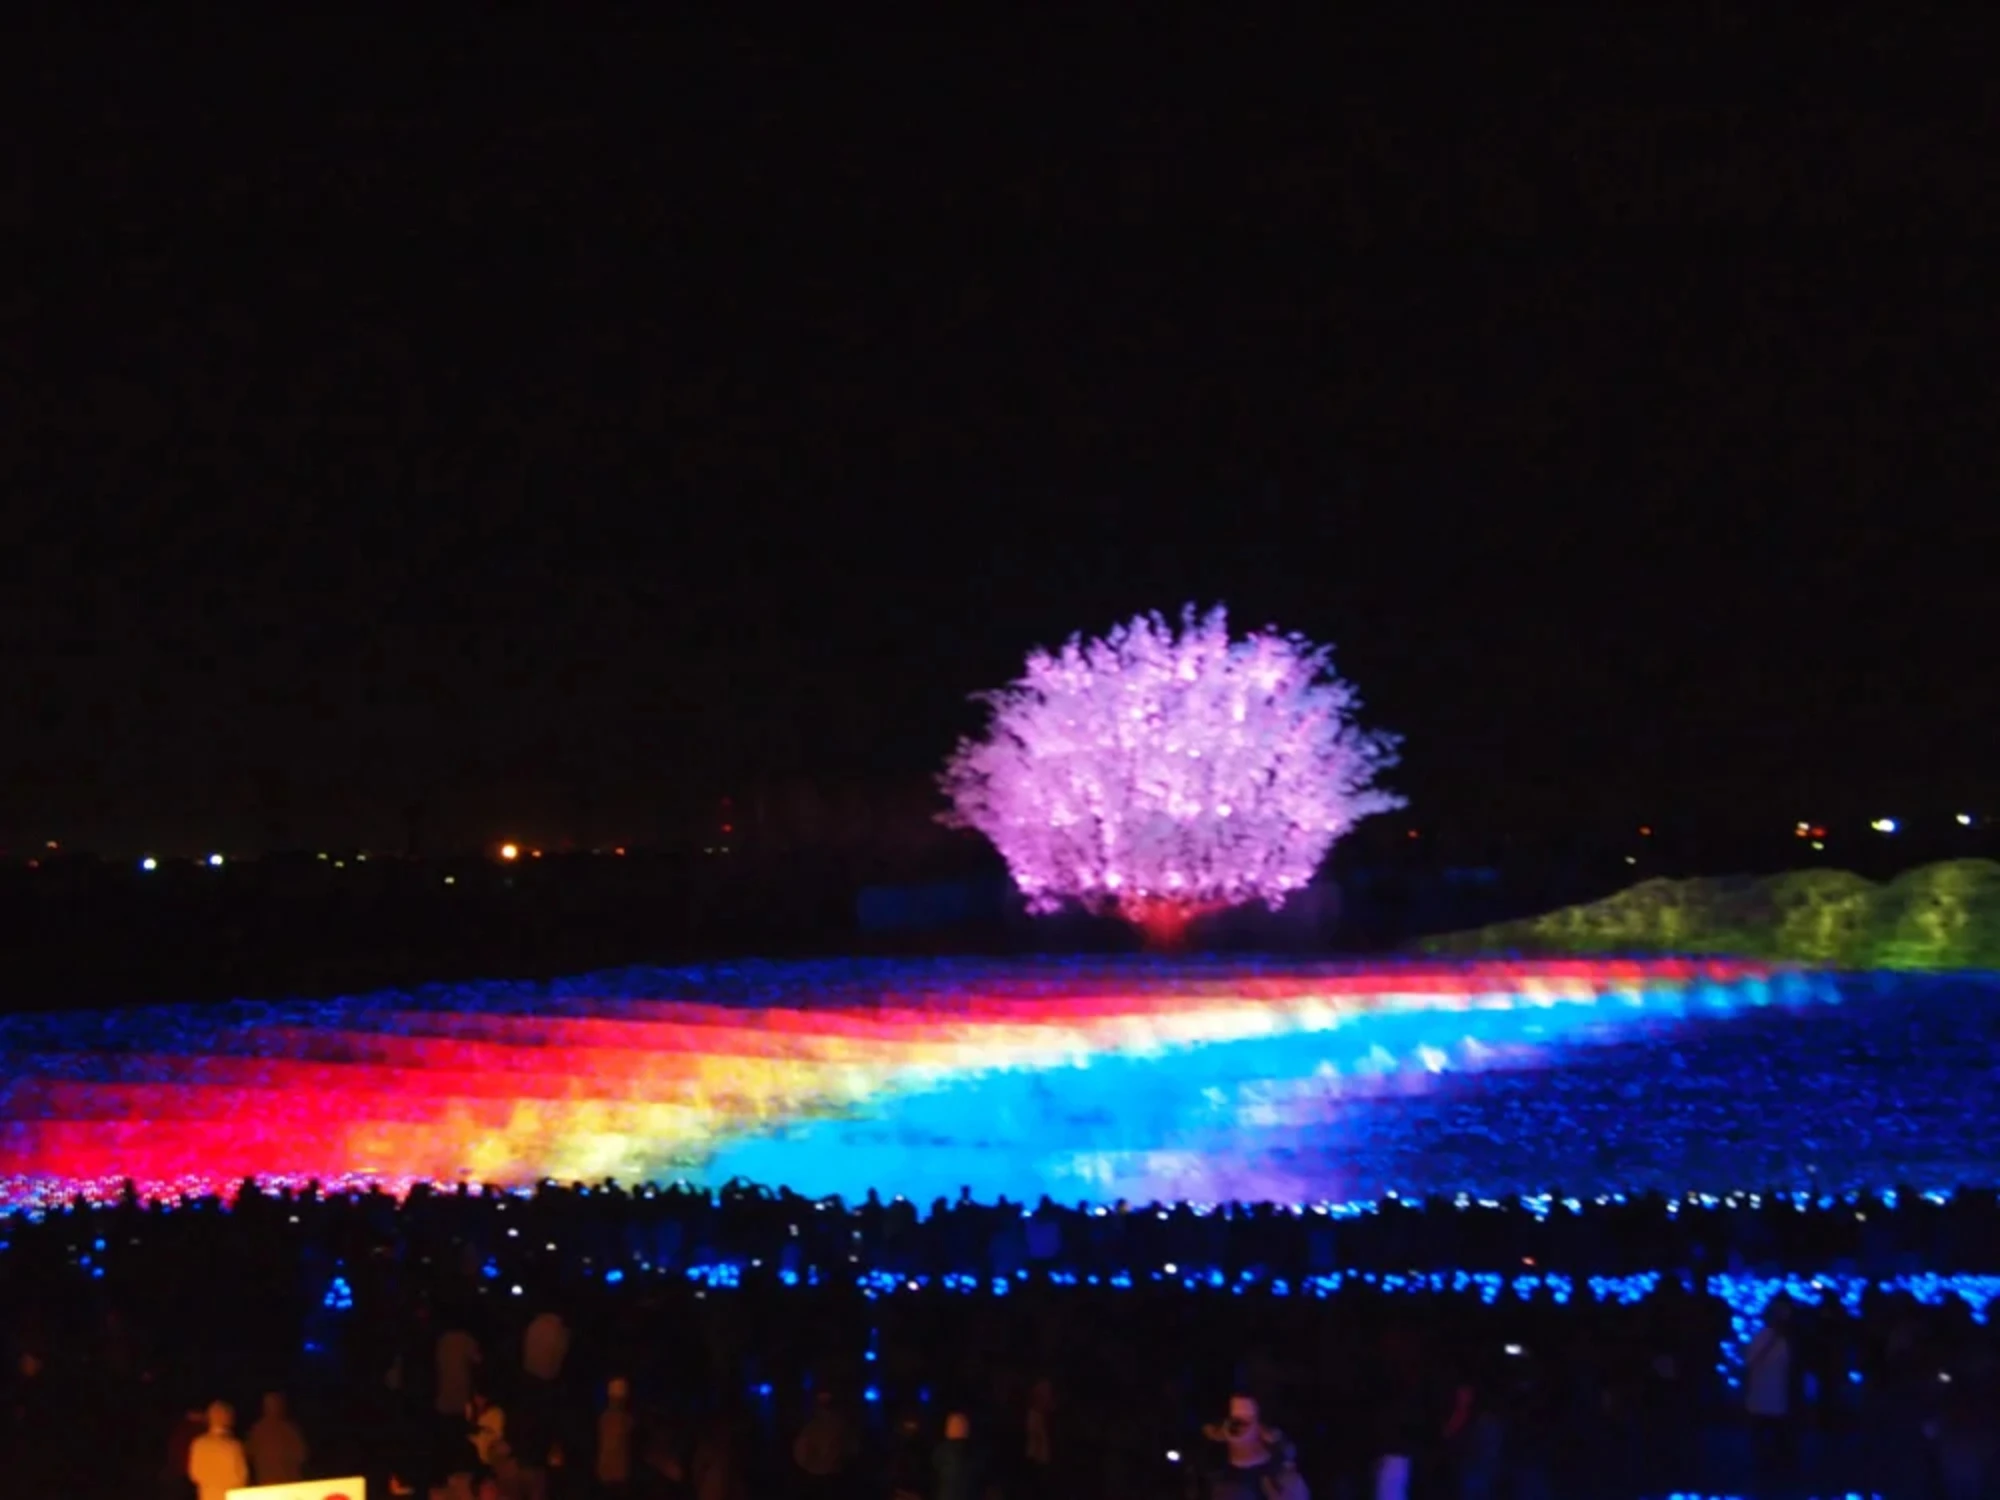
[83, 931]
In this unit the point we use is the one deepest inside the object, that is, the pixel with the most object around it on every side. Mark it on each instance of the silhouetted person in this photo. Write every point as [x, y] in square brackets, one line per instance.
[544, 1347]
[457, 1361]
[1965, 1450]
[31, 1446]
[1257, 1463]
[615, 1432]
[217, 1463]
[909, 1465]
[1767, 1397]
[716, 1472]
[180, 1442]
[486, 1423]
[825, 1448]
[1038, 1436]
[956, 1470]
[276, 1447]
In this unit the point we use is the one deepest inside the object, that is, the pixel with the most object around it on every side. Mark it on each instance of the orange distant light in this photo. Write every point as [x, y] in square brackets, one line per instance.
[1645, 830]
[536, 853]
[620, 850]
[510, 851]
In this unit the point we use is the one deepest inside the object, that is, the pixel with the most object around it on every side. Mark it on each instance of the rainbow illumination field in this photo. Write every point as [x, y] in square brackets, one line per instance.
[1202, 1080]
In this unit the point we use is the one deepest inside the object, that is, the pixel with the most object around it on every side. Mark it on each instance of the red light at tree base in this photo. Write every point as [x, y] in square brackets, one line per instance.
[1164, 923]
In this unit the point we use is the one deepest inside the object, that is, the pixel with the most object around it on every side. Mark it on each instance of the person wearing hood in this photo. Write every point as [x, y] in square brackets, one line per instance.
[217, 1463]
[276, 1447]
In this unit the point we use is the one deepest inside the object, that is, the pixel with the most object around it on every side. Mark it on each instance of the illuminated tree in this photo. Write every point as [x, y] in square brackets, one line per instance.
[1161, 774]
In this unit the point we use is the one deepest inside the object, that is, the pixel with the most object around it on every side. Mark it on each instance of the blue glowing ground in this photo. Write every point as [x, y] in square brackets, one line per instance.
[1876, 1082]
[992, 1076]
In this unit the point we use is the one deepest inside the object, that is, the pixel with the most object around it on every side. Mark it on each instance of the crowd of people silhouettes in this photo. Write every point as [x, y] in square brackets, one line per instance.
[576, 1342]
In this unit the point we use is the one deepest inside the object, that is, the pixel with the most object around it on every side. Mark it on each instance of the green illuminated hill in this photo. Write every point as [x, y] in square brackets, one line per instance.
[1941, 916]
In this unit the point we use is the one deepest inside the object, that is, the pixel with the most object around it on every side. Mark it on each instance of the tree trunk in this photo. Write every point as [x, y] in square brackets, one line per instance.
[1162, 922]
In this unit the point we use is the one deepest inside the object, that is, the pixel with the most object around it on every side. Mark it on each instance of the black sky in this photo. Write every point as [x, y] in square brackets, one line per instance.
[519, 418]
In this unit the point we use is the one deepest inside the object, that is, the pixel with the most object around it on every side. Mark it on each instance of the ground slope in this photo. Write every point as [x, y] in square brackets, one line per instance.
[1941, 916]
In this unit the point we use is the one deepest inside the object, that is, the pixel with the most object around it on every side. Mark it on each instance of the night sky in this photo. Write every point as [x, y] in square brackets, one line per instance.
[525, 424]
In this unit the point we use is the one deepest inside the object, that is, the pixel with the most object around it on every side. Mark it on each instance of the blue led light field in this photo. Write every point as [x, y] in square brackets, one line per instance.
[1858, 1084]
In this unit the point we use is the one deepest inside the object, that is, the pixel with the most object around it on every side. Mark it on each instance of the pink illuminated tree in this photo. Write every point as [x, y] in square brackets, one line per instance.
[1162, 774]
